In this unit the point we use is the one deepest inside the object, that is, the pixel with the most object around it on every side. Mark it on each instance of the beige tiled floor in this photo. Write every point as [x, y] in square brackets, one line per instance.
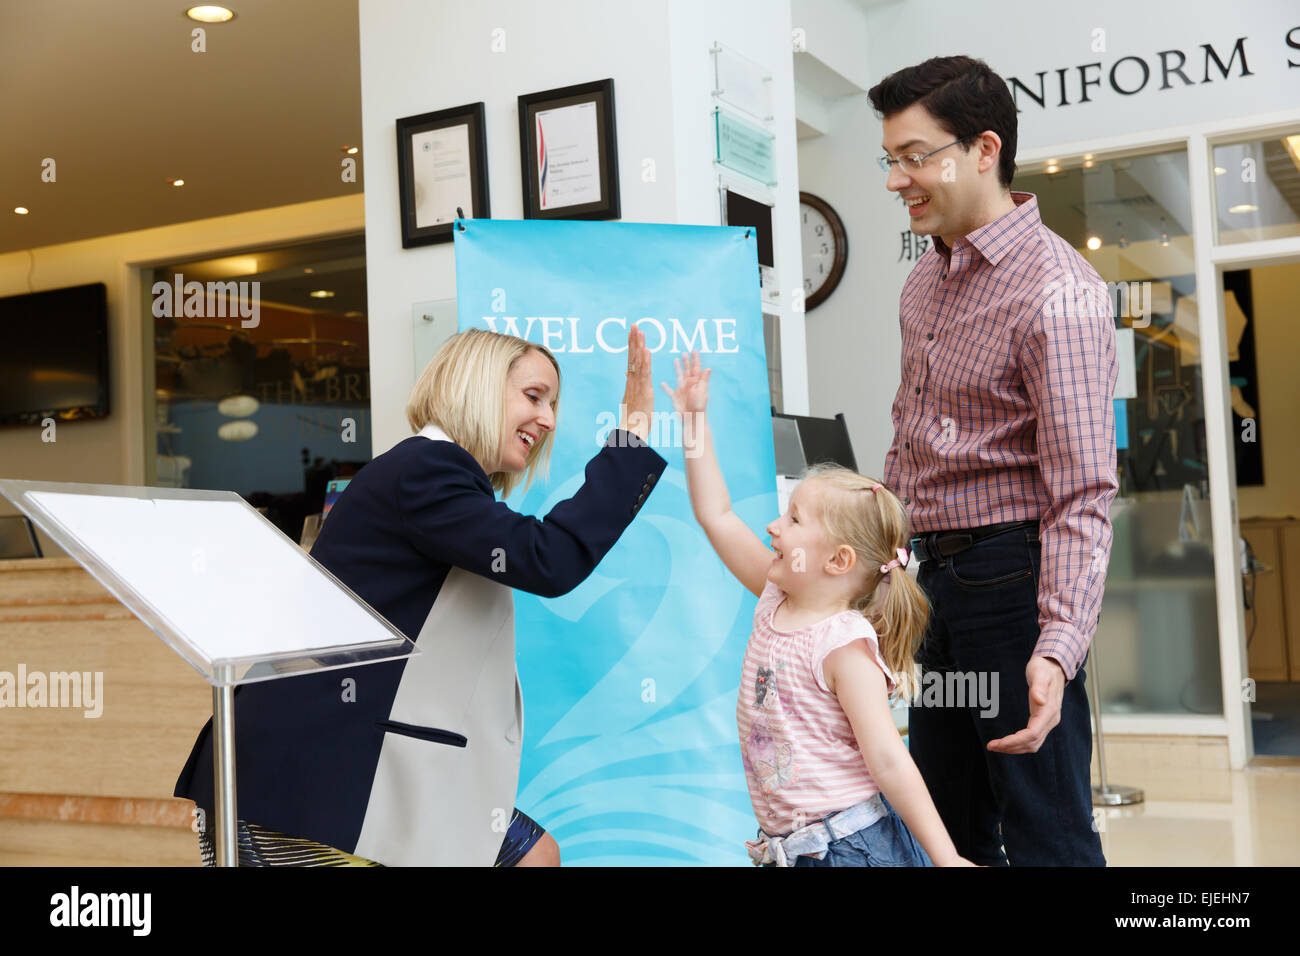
[1197, 812]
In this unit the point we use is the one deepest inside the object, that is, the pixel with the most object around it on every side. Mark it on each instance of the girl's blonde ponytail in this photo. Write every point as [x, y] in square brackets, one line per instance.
[870, 519]
[898, 610]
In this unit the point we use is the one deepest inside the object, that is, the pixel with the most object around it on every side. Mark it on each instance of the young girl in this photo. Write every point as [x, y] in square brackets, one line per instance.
[837, 619]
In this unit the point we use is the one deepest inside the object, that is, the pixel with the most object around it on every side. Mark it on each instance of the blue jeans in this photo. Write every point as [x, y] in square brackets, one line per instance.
[984, 619]
[887, 842]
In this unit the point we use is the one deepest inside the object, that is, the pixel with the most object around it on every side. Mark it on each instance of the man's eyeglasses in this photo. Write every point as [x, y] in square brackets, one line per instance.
[913, 162]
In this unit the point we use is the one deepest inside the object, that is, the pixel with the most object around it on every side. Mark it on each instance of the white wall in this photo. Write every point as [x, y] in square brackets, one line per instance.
[853, 336]
[418, 56]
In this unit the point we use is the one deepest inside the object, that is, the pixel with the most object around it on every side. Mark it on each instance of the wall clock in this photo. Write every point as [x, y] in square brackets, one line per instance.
[825, 249]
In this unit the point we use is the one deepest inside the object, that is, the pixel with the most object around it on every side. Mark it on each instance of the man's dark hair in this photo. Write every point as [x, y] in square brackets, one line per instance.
[962, 94]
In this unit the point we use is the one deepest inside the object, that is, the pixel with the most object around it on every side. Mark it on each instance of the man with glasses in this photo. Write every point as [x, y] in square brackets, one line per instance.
[1004, 453]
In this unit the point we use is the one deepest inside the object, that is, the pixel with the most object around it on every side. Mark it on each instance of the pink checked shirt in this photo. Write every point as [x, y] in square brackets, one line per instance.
[801, 757]
[1004, 410]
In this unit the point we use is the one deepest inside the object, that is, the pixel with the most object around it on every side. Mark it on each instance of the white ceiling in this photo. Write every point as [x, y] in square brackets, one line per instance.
[113, 93]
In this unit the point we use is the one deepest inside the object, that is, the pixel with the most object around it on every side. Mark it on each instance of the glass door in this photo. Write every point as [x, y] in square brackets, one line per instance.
[1130, 216]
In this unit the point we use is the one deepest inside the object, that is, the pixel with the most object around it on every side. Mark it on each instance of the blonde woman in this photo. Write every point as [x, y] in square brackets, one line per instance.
[416, 762]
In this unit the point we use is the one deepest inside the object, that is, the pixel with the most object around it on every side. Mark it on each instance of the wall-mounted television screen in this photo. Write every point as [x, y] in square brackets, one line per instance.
[54, 355]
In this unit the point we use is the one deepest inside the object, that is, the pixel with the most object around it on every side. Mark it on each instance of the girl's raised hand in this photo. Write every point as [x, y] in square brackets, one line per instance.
[692, 392]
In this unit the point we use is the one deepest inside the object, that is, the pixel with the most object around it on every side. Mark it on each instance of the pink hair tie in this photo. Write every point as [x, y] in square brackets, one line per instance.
[898, 562]
[874, 488]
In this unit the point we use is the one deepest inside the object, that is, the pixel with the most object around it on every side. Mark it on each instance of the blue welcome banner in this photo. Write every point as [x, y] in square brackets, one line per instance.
[631, 754]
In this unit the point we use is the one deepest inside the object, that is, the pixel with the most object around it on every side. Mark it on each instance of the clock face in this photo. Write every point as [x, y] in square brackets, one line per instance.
[825, 249]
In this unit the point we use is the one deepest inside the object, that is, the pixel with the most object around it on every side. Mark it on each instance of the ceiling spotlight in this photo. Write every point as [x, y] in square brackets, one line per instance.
[1094, 243]
[1053, 169]
[177, 182]
[1088, 164]
[21, 210]
[1243, 207]
[308, 271]
[1087, 155]
[321, 294]
[210, 13]
[1219, 170]
[350, 150]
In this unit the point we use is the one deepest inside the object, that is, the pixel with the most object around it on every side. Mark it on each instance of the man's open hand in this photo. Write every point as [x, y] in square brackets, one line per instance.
[1046, 682]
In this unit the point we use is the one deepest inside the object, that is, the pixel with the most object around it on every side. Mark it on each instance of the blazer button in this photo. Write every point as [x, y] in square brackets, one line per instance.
[650, 478]
[640, 498]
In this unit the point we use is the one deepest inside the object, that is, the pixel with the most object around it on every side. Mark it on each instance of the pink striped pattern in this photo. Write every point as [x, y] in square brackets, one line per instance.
[801, 759]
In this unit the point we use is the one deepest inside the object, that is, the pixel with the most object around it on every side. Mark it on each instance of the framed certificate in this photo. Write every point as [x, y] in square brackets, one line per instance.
[441, 164]
[570, 152]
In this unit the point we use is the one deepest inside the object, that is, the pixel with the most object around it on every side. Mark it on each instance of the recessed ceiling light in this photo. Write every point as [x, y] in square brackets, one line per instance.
[309, 270]
[322, 294]
[210, 13]
[177, 182]
[350, 150]
[1094, 243]
[1243, 207]
[1219, 170]
[1087, 155]
[1088, 164]
[21, 210]
[1053, 169]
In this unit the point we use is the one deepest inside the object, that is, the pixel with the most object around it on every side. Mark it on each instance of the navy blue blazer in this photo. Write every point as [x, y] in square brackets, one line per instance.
[306, 757]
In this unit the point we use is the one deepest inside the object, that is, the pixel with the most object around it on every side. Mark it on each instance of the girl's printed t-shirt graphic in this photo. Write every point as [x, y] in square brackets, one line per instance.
[801, 758]
[767, 755]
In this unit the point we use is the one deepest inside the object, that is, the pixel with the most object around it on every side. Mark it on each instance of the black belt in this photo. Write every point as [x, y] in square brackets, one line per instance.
[941, 544]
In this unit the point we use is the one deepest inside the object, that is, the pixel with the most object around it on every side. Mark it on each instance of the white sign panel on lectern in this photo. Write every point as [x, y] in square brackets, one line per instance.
[213, 578]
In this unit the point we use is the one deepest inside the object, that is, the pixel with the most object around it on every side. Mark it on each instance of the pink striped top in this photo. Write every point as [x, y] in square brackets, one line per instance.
[801, 759]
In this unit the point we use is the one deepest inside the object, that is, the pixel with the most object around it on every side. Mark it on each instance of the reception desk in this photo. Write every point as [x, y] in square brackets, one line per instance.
[97, 716]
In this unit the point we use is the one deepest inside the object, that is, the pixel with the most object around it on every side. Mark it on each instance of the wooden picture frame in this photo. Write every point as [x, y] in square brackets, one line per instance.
[574, 175]
[455, 142]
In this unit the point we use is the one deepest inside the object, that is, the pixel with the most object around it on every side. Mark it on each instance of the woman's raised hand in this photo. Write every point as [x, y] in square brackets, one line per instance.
[639, 395]
[692, 393]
